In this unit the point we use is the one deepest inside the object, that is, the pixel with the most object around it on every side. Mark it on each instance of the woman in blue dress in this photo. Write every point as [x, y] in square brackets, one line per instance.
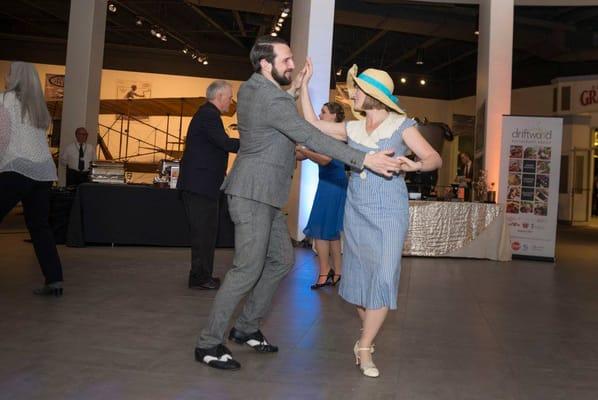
[326, 218]
[377, 209]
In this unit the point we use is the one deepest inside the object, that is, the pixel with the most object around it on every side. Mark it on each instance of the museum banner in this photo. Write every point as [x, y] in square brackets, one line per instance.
[529, 183]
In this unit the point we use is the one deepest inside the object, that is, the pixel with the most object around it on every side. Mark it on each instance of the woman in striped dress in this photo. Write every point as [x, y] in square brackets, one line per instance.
[377, 208]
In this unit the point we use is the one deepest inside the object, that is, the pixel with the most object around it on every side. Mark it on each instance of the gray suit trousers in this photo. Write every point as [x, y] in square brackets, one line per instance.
[263, 256]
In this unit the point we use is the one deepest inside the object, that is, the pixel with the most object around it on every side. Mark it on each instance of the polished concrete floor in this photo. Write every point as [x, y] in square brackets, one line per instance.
[465, 329]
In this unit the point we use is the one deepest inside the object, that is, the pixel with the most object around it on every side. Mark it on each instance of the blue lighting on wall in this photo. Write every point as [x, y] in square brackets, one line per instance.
[307, 192]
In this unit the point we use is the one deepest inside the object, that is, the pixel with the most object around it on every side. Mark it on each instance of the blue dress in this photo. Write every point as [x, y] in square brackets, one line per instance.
[326, 217]
[376, 221]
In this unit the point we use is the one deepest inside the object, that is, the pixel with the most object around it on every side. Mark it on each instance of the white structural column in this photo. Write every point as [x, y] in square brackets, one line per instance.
[495, 63]
[311, 35]
[84, 59]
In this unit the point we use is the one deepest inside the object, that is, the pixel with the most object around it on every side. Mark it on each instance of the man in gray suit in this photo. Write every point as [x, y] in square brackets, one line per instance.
[257, 187]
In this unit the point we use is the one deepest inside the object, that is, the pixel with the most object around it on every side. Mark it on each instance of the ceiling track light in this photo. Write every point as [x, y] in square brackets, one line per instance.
[138, 21]
[422, 82]
[279, 21]
[112, 7]
[420, 56]
[403, 80]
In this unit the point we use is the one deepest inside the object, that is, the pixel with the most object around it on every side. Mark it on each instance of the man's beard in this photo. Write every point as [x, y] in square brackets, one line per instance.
[280, 79]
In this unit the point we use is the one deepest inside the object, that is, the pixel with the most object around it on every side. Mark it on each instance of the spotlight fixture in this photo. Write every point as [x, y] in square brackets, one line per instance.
[185, 50]
[339, 72]
[278, 22]
[111, 7]
[193, 56]
[403, 80]
[153, 32]
[158, 35]
[205, 62]
[422, 82]
[420, 56]
[139, 21]
[164, 38]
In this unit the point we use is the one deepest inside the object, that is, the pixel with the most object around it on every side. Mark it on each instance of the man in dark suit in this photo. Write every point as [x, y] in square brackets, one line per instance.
[203, 167]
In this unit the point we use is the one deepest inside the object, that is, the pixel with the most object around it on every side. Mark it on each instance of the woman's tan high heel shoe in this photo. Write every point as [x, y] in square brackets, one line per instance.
[368, 368]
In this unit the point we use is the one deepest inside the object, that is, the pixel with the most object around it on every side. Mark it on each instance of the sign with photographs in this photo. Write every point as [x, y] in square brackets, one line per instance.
[529, 183]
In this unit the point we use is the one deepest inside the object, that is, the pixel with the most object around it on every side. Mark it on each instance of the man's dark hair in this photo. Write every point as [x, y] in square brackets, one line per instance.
[263, 49]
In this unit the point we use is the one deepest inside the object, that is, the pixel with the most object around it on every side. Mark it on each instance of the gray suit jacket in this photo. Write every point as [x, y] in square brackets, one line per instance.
[269, 126]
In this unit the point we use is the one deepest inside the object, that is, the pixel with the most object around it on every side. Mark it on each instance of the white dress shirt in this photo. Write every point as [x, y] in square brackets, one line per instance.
[70, 156]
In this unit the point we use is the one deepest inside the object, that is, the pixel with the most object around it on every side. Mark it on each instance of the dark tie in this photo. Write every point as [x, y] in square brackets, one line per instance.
[81, 162]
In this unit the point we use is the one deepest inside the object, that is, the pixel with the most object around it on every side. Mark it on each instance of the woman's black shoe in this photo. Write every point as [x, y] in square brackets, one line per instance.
[328, 282]
[52, 289]
[336, 279]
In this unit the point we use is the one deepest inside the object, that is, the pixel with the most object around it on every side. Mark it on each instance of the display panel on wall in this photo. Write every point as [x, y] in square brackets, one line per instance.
[529, 183]
[54, 87]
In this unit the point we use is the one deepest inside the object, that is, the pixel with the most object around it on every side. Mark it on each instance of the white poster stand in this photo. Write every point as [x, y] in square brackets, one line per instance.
[529, 183]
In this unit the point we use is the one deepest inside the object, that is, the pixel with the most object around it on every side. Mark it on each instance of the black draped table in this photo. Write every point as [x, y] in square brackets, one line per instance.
[135, 215]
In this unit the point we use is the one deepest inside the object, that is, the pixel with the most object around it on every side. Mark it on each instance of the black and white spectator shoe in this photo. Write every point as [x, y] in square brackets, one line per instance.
[256, 340]
[219, 357]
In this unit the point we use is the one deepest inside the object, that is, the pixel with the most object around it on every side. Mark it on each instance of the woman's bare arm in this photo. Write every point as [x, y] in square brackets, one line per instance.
[318, 158]
[429, 159]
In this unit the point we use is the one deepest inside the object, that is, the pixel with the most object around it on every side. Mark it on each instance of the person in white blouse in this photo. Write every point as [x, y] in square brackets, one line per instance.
[26, 166]
[76, 157]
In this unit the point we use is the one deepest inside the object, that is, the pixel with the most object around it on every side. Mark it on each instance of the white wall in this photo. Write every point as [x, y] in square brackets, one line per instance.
[535, 100]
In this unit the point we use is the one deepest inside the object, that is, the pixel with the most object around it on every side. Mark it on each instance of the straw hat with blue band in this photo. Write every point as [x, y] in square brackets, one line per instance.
[375, 83]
